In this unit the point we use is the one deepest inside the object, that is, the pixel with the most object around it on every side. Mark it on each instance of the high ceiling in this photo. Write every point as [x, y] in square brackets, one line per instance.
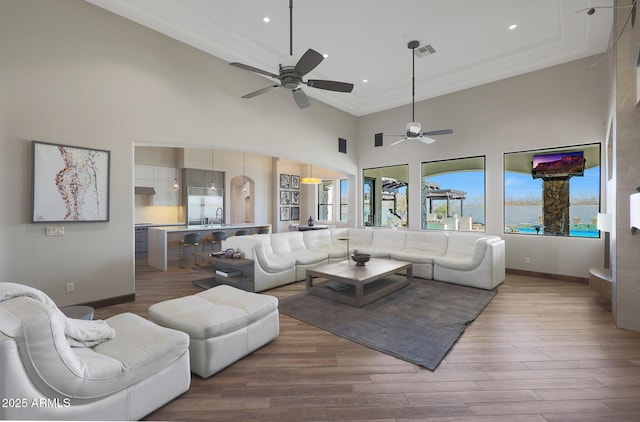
[367, 39]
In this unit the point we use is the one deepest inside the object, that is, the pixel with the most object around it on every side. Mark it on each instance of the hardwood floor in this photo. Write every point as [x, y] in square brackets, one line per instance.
[543, 350]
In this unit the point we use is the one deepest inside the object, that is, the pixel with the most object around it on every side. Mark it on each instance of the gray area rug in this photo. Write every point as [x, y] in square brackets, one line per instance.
[418, 323]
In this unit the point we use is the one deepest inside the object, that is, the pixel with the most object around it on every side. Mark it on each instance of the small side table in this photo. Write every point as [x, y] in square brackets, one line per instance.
[78, 311]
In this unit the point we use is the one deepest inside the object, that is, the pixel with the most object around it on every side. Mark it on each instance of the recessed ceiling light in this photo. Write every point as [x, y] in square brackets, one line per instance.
[325, 55]
[266, 19]
[513, 26]
[365, 81]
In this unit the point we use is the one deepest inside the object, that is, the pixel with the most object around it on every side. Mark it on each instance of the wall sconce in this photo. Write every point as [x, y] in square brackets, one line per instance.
[634, 211]
[244, 172]
[603, 222]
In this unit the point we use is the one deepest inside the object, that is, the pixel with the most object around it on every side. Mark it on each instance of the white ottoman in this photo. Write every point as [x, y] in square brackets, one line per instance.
[224, 324]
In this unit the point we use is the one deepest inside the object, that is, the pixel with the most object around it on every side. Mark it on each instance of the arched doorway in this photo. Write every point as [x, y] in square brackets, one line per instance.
[242, 207]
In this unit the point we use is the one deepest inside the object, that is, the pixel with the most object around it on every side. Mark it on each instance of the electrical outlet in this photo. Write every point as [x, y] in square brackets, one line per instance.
[55, 231]
[71, 287]
[527, 260]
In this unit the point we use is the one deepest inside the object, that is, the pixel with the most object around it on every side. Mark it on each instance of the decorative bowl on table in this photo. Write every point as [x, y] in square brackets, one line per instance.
[361, 258]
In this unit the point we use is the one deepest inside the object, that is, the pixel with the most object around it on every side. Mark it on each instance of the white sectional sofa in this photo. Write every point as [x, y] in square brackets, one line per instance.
[470, 259]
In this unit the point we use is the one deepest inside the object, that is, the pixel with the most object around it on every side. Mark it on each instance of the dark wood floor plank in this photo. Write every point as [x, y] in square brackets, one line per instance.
[542, 351]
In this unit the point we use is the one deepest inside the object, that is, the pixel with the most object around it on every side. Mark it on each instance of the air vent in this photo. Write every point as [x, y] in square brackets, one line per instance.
[144, 190]
[424, 51]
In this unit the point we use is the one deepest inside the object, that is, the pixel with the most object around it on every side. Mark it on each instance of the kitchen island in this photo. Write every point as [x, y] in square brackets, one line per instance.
[164, 246]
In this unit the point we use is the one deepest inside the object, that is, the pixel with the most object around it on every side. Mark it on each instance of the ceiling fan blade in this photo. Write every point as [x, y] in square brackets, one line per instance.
[330, 85]
[254, 69]
[438, 132]
[260, 91]
[426, 140]
[398, 141]
[301, 98]
[308, 62]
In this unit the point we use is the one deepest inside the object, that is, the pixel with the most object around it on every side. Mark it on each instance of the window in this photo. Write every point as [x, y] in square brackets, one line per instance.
[325, 200]
[385, 199]
[554, 192]
[344, 200]
[328, 196]
[453, 194]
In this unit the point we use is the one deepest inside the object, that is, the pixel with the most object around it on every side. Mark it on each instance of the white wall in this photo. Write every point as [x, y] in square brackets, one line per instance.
[76, 74]
[625, 265]
[562, 105]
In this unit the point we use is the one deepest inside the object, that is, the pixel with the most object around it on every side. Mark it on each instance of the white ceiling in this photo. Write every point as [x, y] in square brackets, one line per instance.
[368, 39]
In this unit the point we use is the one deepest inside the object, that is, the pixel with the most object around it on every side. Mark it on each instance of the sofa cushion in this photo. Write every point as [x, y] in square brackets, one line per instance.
[391, 240]
[316, 239]
[360, 237]
[323, 241]
[339, 233]
[416, 257]
[422, 247]
[383, 243]
[271, 262]
[433, 243]
[464, 261]
[310, 257]
[334, 252]
[291, 244]
[462, 243]
[139, 342]
[281, 242]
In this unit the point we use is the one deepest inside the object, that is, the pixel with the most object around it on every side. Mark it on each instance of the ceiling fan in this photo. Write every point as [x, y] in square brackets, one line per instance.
[292, 70]
[414, 129]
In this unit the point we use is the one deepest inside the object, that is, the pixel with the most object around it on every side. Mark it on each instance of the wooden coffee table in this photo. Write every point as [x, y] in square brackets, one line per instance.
[357, 286]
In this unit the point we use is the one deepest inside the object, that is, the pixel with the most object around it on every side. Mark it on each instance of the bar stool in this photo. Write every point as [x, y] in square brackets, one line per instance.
[216, 238]
[264, 230]
[191, 239]
[242, 232]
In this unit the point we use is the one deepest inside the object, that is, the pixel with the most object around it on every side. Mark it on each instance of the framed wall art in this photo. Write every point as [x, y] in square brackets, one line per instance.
[284, 214]
[295, 198]
[69, 184]
[295, 213]
[295, 182]
[285, 181]
[285, 197]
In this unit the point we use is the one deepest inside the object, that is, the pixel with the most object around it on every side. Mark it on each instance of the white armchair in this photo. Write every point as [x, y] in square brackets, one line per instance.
[123, 378]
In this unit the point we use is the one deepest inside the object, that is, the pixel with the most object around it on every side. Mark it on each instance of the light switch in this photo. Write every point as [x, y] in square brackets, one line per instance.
[55, 231]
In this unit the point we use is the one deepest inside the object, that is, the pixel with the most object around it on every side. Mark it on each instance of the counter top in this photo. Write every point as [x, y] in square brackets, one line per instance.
[163, 241]
[185, 228]
[156, 224]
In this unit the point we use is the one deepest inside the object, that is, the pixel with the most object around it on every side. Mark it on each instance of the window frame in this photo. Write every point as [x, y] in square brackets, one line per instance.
[452, 222]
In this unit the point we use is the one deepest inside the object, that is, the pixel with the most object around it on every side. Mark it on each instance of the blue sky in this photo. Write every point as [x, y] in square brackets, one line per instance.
[471, 182]
[517, 185]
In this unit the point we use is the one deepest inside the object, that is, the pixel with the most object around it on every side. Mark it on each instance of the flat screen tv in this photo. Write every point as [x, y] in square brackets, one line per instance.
[558, 165]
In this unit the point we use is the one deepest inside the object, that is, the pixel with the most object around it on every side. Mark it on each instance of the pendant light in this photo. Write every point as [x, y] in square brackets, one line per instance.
[213, 176]
[310, 180]
[176, 185]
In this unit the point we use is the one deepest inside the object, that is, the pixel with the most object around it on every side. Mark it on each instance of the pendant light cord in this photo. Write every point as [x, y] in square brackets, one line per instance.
[413, 85]
[291, 27]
